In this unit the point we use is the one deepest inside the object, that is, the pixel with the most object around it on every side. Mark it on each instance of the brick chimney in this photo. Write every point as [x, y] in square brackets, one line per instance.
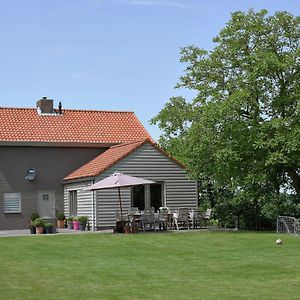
[45, 105]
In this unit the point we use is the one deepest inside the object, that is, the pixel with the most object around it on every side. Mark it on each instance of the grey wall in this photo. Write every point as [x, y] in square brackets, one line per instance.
[52, 165]
[149, 163]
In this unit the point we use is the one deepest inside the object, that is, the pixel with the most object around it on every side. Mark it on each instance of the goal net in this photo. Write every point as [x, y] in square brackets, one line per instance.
[286, 224]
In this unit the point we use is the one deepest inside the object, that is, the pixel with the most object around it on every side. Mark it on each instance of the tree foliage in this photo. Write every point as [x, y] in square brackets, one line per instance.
[242, 129]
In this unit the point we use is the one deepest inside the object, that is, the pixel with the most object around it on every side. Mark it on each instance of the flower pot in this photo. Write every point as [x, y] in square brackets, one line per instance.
[39, 230]
[32, 229]
[60, 223]
[82, 226]
[76, 225]
[49, 230]
[70, 225]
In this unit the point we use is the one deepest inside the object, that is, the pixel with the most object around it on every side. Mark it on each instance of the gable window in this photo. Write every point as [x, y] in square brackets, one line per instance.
[12, 203]
[72, 203]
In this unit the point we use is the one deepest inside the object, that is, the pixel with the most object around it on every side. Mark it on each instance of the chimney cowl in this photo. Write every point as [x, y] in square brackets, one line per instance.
[59, 108]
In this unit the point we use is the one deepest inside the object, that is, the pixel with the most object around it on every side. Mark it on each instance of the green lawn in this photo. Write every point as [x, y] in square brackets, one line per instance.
[189, 265]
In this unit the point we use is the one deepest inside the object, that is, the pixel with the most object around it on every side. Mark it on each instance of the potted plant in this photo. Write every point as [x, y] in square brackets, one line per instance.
[82, 220]
[61, 220]
[32, 229]
[70, 223]
[34, 216]
[39, 224]
[49, 227]
[76, 223]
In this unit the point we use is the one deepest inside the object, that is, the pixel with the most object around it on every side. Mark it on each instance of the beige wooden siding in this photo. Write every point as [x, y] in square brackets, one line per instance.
[149, 163]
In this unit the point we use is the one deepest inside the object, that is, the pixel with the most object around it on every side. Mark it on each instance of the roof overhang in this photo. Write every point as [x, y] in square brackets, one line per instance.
[56, 144]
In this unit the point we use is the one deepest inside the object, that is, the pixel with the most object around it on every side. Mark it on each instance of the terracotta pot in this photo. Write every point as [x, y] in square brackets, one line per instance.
[39, 230]
[60, 223]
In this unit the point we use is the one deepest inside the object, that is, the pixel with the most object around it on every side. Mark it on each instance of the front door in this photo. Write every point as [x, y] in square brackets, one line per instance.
[46, 204]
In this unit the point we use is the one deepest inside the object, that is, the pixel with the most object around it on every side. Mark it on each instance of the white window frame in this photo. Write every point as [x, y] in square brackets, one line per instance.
[8, 197]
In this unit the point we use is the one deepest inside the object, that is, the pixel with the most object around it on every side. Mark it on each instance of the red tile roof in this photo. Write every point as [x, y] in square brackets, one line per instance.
[110, 157]
[73, 126]
[104, 160]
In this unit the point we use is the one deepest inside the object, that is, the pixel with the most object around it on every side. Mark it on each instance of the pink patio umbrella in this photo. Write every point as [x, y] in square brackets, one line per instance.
[118, 180]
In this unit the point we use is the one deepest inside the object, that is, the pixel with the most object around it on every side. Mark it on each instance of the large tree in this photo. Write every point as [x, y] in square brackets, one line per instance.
[242, 130]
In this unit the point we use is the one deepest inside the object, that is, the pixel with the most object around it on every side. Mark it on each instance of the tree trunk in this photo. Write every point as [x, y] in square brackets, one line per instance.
[295, 181]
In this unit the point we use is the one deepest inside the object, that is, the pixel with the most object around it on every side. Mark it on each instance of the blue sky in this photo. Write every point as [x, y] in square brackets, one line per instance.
[107, 54]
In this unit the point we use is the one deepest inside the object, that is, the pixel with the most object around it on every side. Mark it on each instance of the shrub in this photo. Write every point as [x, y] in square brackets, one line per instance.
[83, 219]
[61, 216]
[49, 225]
[34, 216]
[39, 222]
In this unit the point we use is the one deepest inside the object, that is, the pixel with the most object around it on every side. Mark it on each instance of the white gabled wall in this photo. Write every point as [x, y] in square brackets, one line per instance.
[149, 163]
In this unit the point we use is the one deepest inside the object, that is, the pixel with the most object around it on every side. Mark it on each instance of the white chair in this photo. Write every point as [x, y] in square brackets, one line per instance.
[206, 216]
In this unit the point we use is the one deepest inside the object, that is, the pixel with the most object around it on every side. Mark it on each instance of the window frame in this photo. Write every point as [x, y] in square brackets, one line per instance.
[72, 193]
[19, 211]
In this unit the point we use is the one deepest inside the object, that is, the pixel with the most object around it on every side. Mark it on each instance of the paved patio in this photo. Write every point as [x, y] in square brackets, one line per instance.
[26, 232]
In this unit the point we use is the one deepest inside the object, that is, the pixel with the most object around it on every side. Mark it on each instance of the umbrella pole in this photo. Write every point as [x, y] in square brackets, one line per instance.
[121, 208]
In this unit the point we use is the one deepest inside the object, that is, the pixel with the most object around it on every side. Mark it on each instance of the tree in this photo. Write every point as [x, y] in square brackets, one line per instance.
[243, 127]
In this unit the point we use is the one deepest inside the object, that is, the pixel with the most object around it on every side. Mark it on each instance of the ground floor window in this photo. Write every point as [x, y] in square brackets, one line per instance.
[12, 203]
[147, 196]
[72, 203]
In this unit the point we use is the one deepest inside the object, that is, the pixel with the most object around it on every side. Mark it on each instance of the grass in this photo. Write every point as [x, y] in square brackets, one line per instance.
[189, 265]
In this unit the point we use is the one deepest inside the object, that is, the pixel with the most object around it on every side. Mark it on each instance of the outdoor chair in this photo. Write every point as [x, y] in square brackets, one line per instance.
[197, 219]
[182, 218]
[134, 217]
[162, 219]
[148, 220]
[120, 223]
[206, 216]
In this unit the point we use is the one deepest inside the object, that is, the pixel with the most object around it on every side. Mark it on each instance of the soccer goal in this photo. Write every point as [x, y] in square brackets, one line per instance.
[286, 224]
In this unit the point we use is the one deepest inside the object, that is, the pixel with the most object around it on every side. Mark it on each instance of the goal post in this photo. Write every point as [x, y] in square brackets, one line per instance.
[287, 224]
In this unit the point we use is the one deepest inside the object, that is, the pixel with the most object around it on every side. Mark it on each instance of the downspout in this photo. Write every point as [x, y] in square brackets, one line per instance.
[93, 208]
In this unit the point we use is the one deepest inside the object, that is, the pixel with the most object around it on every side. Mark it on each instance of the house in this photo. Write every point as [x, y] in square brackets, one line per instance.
[142, 159]
[48, 155]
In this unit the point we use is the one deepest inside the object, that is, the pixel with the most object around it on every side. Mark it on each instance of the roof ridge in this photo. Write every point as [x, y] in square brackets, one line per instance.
[71, 109]
[129, 143]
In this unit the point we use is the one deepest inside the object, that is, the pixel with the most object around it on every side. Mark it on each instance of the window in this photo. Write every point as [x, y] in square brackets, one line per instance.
[12, 203]
[146, 196]
[138, 197]
[45, 197]
[73, 203]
